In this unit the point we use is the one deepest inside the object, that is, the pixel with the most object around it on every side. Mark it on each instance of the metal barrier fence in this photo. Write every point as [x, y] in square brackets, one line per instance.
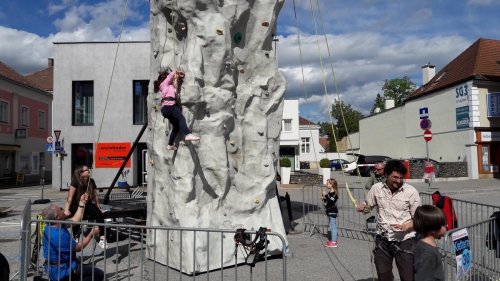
[133, 256]
[348, 219]
[482, 262]
[467, 212]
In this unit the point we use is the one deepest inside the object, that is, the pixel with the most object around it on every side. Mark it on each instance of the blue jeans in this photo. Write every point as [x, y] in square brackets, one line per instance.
[174, 115]
[87, 274]
[333, 228]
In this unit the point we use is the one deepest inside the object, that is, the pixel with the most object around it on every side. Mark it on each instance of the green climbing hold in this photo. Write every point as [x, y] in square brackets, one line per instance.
[237, 37]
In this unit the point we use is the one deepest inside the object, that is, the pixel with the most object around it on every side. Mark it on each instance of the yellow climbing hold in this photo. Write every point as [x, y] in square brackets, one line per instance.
[265, 23]
[256, 201]
[219, 31]
[232, 143]
[156, 107]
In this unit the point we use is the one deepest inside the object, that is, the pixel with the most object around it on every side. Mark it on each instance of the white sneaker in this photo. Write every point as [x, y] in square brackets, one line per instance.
[103, 244]
[191, 137]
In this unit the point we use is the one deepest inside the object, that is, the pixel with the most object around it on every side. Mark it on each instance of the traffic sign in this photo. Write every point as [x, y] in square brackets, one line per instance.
[424, 112]
[425, 124]
[50, 139]
[427, 135]
[57, 133]
[57, 146]
[48, 148]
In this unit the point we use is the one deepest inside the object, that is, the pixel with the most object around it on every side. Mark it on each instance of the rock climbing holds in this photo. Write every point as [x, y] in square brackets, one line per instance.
[241, 70]
[225, 126]
[232, 143]
[172, 15]
[238, 37]
[156, 107]
[266, 93]
[169, 30]
[267, 54]
[265, 23]
[256, 201]
[266, 165]
[260, 133]
[151, 161]
[228, 64]
[219, 31]
[155, 53]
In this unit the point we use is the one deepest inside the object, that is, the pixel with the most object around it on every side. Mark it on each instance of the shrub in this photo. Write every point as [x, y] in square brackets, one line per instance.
[324, 163]
[285, 162]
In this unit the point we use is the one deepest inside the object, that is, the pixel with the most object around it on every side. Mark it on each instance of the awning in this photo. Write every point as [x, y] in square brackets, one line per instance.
[8, 147]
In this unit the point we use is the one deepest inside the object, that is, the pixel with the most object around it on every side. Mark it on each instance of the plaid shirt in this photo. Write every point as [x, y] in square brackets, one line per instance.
[393, 208]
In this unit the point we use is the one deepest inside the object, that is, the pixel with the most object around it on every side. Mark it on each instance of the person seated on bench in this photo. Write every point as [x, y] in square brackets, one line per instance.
[81, 179]
[59, 248]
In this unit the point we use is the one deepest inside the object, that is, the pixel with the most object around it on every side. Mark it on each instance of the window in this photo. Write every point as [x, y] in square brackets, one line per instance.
[286, 125]
[41, 120]
[83, 102]
[304, 147]
[82, 154]
[25, 116]
[140, 102]
[4, 112]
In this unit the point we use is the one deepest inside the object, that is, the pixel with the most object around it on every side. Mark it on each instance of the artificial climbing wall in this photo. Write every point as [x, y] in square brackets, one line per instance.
[232, 97]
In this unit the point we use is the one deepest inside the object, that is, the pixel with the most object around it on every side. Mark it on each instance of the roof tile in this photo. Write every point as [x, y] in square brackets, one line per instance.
[11, 74]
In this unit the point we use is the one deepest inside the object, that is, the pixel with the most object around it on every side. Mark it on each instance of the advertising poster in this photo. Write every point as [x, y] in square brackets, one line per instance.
[462, 106]
[485, 159]
[111, 154]
[25, 163]
[462, 252]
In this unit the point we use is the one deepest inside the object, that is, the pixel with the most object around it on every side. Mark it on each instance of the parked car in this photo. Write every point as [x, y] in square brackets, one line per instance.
[348, 168]
[422, 160]
[337, 164]
[366, 163]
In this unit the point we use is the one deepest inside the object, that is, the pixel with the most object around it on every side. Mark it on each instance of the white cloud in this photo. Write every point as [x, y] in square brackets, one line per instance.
[54, 8]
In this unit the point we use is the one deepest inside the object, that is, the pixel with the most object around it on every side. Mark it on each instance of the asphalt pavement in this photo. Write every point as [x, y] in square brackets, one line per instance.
[310, 261]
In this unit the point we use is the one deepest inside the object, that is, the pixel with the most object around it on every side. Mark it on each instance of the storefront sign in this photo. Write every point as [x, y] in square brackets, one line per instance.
[490, 136]
[462, 106]
[493, 105]
[111, 154]
[462, 252]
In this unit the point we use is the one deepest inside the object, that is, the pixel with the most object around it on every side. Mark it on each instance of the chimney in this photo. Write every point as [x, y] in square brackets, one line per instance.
[428, 72]
[388, 103]
[51, 62]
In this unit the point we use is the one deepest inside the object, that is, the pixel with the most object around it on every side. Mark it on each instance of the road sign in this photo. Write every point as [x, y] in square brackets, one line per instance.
[427, 135]
[424, 112]
[57, 146]
[48, 148]
[50, 139]
[57, 133]
[425, 124]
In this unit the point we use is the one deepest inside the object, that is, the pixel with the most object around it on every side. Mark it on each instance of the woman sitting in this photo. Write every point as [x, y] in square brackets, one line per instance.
[92, 209]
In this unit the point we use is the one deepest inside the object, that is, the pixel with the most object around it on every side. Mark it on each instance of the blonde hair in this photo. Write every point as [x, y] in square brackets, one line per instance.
[335, 187]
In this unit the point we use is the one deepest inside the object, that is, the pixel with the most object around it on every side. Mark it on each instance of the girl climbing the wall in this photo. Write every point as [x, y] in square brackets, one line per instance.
[330, 200]
[169, 84]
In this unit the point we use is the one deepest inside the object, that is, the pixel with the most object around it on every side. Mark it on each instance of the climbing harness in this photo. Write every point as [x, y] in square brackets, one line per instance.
[253, 247]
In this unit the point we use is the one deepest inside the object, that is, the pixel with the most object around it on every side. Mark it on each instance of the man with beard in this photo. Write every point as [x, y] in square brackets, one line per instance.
[396, 203]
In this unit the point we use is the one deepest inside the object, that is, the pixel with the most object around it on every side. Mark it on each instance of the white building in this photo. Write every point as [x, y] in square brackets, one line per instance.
[290, 137]
[82, 76]
[463, 103]
[310, 148]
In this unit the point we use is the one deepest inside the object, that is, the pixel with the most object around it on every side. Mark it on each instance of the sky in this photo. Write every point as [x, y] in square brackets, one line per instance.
[369, 41]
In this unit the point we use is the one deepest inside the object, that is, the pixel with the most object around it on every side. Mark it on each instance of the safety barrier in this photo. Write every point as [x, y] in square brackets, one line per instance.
[348, 219]
[474, 256]
[134, 255]
[468, 212]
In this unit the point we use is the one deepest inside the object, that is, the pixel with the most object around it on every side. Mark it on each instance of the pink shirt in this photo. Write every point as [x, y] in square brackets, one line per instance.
[397, 208]
[167, 89]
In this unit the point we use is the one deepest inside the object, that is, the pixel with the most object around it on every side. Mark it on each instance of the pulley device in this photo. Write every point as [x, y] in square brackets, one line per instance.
[252, 247]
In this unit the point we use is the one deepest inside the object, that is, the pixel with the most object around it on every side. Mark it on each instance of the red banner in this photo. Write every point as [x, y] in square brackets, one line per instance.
[111, 154]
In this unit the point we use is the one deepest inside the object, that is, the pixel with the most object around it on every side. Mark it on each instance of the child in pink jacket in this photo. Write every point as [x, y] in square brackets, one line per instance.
[169, 84]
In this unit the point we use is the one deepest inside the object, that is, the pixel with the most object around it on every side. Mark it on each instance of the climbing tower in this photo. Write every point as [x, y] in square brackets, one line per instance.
[232, 97]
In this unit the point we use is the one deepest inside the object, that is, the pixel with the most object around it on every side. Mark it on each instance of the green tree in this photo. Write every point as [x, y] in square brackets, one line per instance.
[325, 129]
[379, 102]
[350, 118]
[398, 89]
